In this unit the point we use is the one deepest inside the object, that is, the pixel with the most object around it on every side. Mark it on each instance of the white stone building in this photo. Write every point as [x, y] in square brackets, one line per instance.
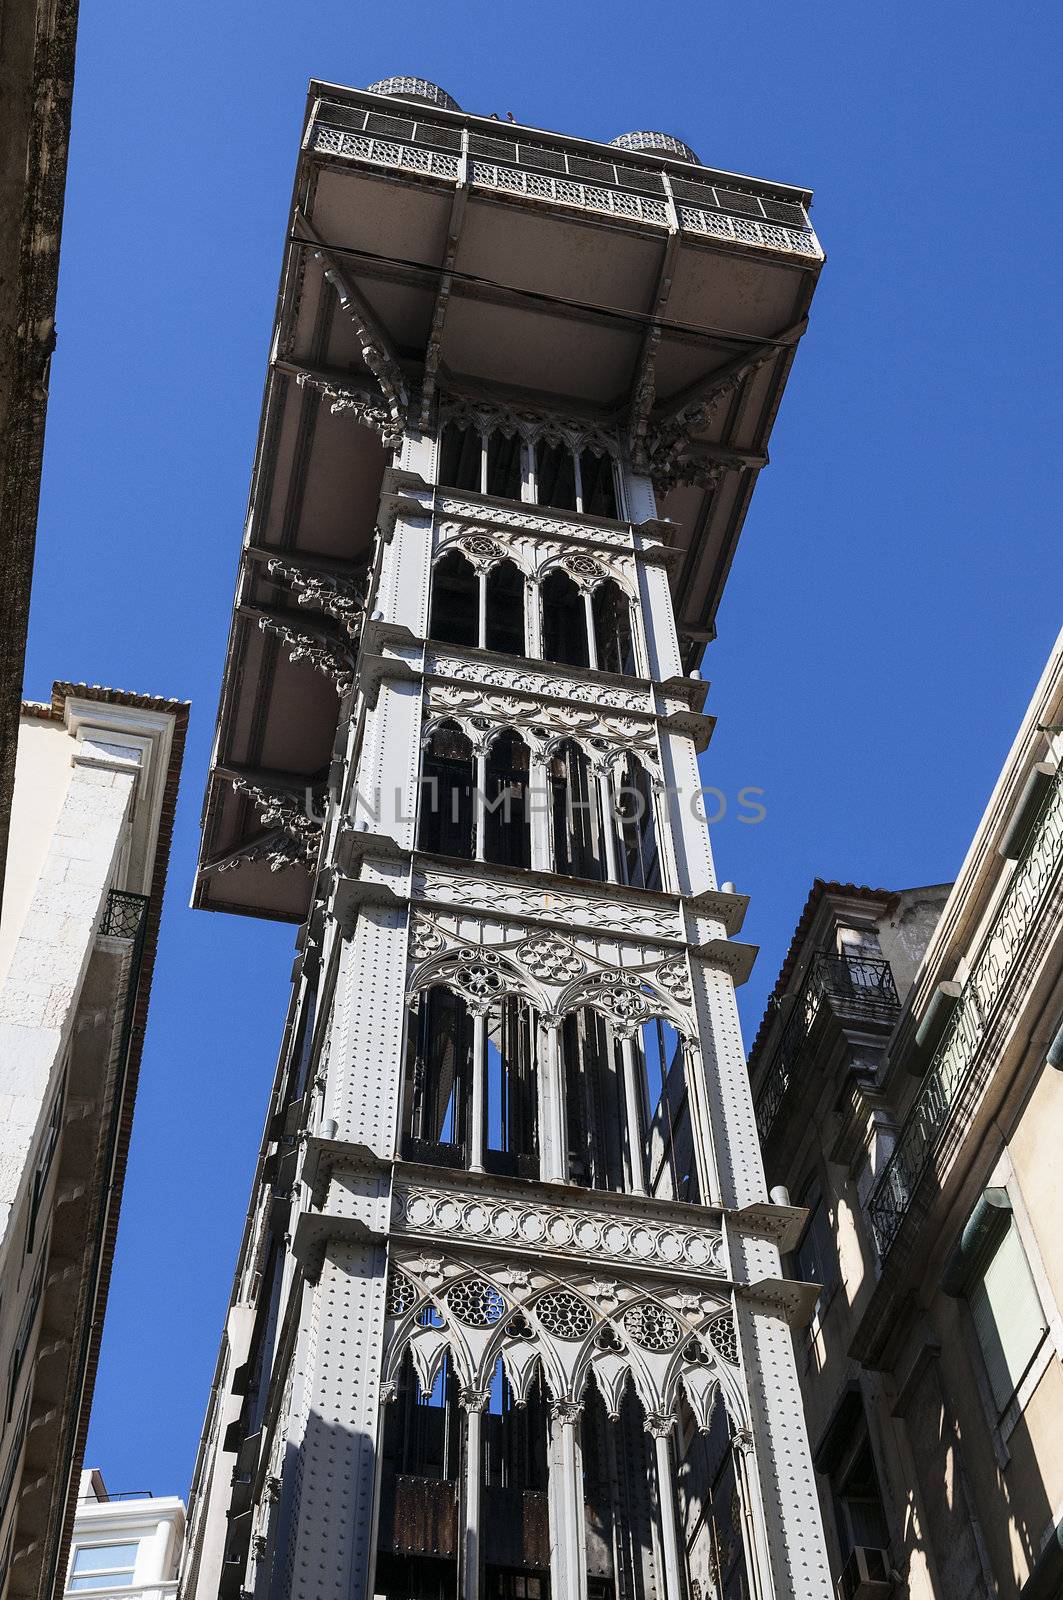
[126, 1546]
[96, 784]
[508, 1318]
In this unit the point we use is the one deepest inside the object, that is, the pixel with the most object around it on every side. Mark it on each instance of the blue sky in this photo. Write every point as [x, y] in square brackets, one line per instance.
[895, 594]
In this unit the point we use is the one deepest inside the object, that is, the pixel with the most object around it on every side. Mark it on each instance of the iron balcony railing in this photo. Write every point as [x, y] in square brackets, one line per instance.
[553, 173]
[126, 917]
[854, 986]
[954, 1066]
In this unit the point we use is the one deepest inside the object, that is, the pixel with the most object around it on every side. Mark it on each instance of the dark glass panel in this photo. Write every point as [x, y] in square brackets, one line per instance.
[598, 479]
[564, 621]
[555, 476]
[447, 822]
[505, 609]
[460, 453]
[455, 615]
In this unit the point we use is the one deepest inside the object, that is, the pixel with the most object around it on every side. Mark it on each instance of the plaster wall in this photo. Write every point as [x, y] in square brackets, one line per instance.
[42, 778]
[1034, 1151]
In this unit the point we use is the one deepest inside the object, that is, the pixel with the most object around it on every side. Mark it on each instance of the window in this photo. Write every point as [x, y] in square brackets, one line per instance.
[504, 467]
[507, 834]
[103, 1566]
[461, 458]
[566, 481]
[472, 608]
[579, 846]
[598, 485]
[447, 821]
[564, 621]
[710, 1507]
[470, 1089]
[511, 1133]
[1006, 1310]
[815, 1259]
[671, 1171]
[858, 1500]
[555, 476]
[22, 1338]
[640, 864]
[455, 617]
[611, 612]
[504, 621]
[43, 1167]
[438, 1077]
[491, 464]
[595, 1122]
[845, 1458]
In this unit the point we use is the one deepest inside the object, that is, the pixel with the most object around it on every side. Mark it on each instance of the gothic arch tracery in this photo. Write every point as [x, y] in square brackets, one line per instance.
[573, 1329]
[554, 974]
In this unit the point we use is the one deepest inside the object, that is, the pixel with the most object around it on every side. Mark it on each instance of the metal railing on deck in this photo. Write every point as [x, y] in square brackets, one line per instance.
[568, 177]
[953, 1065]
[851, 985]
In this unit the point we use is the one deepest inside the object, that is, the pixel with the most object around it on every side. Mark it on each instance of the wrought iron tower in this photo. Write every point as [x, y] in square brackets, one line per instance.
[509, 1318]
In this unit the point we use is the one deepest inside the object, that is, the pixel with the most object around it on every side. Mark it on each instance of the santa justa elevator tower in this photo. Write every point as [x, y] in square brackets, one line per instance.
[508, 1318]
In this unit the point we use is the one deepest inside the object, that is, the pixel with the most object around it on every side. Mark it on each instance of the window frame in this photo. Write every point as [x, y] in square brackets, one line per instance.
[1002, 1422]
[110, 1577]
[814, 1183]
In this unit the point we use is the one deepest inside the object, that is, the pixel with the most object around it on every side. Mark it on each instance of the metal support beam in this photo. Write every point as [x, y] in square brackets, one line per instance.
[434, 347]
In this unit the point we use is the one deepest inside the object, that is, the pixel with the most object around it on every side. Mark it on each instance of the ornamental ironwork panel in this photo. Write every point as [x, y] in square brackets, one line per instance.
[957, 1058]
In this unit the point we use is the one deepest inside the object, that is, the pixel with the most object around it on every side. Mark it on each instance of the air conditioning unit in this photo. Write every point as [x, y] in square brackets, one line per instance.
[866, 1576]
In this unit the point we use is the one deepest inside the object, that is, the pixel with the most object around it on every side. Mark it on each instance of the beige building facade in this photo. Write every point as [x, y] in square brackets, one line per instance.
[908, 1091]
[96, 785]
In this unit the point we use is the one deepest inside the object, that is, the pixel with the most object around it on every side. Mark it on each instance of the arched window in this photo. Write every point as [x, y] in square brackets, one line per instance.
[455, 616]
[564, 621]
[435, 1119]
[505, 609]
[627, 1117]
[613, 641]
[514, 1516]
[447, 824]
[506, 819]
[635, 818]
[469, 1096]
[579, 837]
[421, 1445]
[597, 485]
[592, 1075]
[461, 452]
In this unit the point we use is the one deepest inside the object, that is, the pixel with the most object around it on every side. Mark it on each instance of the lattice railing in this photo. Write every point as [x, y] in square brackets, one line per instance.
[569, 192]
[747, 230]
[540, 172]
[852, 985]
[385, 152]
[955, 1064]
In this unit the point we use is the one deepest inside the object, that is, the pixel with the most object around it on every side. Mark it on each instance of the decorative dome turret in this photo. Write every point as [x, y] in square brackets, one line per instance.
[415, 89]
[661, 144]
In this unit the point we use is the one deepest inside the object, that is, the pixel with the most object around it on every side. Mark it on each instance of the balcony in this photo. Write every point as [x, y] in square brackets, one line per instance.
[851, 988]
[960, 1058]
[561, 176]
